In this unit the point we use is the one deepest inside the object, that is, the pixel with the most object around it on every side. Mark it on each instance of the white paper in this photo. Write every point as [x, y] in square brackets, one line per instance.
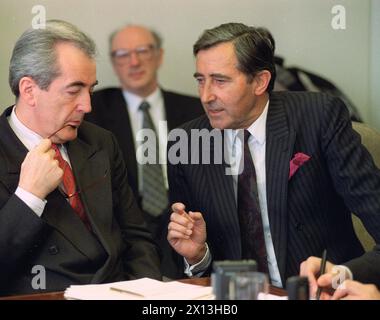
[140, 289]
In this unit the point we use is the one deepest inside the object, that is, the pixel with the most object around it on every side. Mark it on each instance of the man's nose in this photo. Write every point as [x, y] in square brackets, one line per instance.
[134, 58]
[207, 94]
[84, 104]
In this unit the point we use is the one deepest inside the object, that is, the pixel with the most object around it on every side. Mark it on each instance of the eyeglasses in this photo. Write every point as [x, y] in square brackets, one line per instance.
[94, 183]
[124, 55]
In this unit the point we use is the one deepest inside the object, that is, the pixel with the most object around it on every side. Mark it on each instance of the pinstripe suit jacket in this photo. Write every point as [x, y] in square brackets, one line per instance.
[307, 213]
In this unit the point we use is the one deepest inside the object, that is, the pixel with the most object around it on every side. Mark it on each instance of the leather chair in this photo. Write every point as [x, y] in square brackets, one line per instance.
[371, 140]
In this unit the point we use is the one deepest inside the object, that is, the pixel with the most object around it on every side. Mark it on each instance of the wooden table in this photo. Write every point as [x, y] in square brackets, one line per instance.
[59, 295]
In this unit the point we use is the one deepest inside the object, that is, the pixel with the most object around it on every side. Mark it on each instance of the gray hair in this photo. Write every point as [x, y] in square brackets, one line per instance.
[34, 54]
[156, 36]
[254, 47]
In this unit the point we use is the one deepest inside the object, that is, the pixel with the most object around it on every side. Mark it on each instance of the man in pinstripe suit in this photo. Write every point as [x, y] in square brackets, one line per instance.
[312, 171]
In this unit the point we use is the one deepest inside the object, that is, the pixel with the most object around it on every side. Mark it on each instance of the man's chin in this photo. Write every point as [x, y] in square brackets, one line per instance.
[67, 134]
[218, 123]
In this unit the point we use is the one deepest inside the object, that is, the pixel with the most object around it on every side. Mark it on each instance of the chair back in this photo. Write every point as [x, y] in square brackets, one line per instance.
[371, 140]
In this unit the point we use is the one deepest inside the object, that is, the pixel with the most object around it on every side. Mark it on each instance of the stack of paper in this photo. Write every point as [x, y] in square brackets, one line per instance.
[140, 289]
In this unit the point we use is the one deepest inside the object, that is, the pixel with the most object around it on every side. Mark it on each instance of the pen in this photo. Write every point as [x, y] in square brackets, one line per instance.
[321, 272]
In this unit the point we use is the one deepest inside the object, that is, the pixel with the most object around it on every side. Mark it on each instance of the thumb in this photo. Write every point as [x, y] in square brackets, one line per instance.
[196, 216]
[325, 280]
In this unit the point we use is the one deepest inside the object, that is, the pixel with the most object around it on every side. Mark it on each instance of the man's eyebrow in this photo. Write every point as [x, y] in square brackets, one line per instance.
[219, 76]
[212, 75]
[80, 84]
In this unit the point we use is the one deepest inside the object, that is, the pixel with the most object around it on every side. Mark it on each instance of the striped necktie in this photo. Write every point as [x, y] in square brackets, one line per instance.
[68, 182]
[154, 193]
[249, 213]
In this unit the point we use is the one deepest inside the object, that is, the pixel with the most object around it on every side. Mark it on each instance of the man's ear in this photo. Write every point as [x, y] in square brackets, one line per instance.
[27, 87]
[160, 56]
[261, 80]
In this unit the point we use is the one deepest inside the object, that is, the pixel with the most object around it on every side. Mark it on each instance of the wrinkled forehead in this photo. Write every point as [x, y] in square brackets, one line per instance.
[217, 57]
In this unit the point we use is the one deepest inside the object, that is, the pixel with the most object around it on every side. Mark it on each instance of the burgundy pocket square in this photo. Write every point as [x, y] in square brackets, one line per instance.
[298, 160]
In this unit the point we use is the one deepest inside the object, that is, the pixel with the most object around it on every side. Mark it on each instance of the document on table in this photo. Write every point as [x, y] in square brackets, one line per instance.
[141, 289]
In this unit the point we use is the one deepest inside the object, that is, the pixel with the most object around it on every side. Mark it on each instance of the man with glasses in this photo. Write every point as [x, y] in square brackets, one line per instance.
[65, 205]
[136, 56]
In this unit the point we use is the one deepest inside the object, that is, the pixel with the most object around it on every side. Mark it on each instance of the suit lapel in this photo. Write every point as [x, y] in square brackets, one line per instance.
[89, 167]
[14, 153]
[279, 147]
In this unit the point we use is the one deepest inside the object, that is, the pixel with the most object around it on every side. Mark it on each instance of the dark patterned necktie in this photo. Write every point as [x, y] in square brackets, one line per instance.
[154, 197]
[68, 182]
[251, 226]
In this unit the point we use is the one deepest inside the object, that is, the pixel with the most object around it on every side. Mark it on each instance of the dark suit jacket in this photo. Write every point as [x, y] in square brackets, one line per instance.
[109, 110]
[307, 213]
[119, 248]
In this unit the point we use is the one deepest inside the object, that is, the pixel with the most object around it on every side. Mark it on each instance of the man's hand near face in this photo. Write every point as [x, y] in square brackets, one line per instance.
[40, 172]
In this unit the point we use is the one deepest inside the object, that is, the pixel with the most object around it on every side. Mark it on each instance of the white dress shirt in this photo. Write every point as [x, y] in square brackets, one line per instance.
[158, 115]
[30, 140]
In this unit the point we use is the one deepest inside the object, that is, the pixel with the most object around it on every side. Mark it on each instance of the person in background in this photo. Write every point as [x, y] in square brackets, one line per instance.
[136, 55]
[65, 203]
[302, 168]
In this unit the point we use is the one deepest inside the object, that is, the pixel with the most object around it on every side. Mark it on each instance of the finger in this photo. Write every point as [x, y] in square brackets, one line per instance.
[179, 228]
[325, 295]
[178, 207]
[195, 215]
[339, 293]
[175, 235]
[325, 280]
[51, 153]
[43, 146]
[309, 269]
[182, 220]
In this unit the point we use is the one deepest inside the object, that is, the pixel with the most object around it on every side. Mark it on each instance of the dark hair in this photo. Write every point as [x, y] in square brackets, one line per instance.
[34, 54]
[254, 47]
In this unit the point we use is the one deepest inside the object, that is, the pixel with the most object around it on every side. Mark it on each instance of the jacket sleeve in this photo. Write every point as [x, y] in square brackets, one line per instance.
[357, 180]
[21, 233]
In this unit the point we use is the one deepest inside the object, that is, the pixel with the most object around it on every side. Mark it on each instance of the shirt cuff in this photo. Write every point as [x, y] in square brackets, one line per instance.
[34, 203]
[198, 269]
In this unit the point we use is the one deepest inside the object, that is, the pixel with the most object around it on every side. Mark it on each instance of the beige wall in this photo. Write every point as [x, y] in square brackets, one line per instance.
[302, 29]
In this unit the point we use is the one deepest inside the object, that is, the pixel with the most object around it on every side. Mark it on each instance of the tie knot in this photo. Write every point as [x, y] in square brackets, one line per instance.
[144, 106]
[247, 134]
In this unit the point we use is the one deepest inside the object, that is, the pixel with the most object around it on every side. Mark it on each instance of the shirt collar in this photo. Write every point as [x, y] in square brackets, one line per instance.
[134, 101]
[28, 137]
[257, 129]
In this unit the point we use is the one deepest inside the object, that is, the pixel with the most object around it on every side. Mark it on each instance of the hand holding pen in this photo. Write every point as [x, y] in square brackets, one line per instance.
[319, 273]
[187, 233]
